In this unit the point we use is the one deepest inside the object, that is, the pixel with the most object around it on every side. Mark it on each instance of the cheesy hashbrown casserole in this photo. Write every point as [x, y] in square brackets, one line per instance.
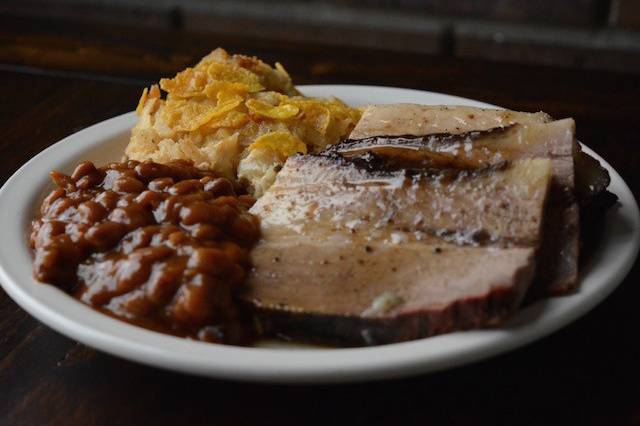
[235, 115]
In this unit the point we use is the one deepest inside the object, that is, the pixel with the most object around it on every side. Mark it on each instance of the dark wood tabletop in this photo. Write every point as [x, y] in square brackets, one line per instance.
[57, 78]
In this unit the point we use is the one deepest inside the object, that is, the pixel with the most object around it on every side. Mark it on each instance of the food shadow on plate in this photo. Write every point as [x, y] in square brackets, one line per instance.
[604, 216]
[610, 228]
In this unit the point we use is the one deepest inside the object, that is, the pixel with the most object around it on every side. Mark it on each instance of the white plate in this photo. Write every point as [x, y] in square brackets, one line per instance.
[105, 142]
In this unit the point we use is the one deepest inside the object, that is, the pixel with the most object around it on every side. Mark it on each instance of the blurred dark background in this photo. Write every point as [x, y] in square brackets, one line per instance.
[67, 64]
[589, 34]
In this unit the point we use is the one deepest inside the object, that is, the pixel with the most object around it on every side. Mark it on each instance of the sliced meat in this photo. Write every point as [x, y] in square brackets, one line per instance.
[345, 294]
[591, 181]
[319, 197]
[356, 252]
[558, 263]
[412, 119]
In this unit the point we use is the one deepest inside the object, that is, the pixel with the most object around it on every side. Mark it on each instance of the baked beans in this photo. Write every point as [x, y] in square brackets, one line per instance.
[165, 246]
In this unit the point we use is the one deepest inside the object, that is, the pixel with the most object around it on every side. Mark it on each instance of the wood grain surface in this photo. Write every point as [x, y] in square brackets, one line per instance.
[59, 77]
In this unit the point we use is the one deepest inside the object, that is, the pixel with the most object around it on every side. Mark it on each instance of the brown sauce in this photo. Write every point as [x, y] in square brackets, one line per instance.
[165, 247]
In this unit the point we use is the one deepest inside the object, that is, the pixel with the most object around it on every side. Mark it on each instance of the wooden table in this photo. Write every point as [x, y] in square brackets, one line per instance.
[57, 78]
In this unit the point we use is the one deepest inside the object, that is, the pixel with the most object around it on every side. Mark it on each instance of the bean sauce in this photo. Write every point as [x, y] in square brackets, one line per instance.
[164, 246]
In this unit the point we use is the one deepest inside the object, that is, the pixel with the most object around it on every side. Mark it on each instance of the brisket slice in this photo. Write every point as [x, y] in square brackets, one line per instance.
[558, 259]
[356, 251]
[412, 119]
[364, 294]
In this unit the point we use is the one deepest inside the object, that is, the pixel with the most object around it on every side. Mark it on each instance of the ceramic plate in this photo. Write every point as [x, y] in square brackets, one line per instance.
[288, 363]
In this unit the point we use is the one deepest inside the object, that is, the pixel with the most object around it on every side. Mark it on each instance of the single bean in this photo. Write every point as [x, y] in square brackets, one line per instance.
[126, 184]
[197, 212]
[219, 186]
[83, 169]
[108, 199]
[161, 184]
[151, 170]
[91, 212]
[206, 231]
[185, 187]
[149, 199]
[104, 236]
[165, 280]
[53, 196]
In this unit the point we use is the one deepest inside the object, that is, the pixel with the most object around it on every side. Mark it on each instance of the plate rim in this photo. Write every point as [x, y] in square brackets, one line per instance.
[291, 366]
